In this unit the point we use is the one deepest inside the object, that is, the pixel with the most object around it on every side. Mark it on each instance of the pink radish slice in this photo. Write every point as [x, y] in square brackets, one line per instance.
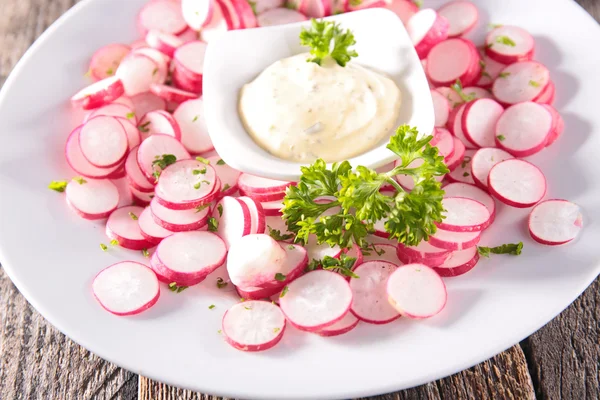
[460, 262]
[165, 42]
[280, 16]
[172, 94]
[264, 197]
[143, 103]
[441, 108]
[265, 5]
[161, 73]
[253, 325]
[509, 44]
[99, 94]
[80, 164]
[454, 240]
[167, 276]
[245, 13]
[272, 208]
[426, 29]
[277, 223]
[457, 128]
[103, 141]
[356, 253]
[416, 291]
[256, 184]
[558, 125]
[197, 13]
[444, 141]
[482, 162]
[451, 60]
[256, 293]
[319, 251]
[126, 101]
[524, 128]
[462, 173]
[548, 95]
[153, 232]
[126, 288]
[555, 222]
[404, 9]
[106, 60]
[134, 138]
[194, 134]
[190, 58]
[119, 173]
[422, 251]
[461, 15]
[140, 198]
[114, 110]
[257, 216]
[316, 300]
[472, 192]
[430, 262]
[179, 188]
[517, 183]
[479, 121]
[464, 215]
[344, 325]
[190, 35]
[369, 296]
[159, 122]
[519, 82]
[315, 8]
[92, 199]
[456, 159]
[162, 15]
[216, 26]
[381, 252]
[137, 72]
[156, 146]
[364, 5]
[183, 82]
[254, 260]
[228, 176]
[491, 70]
[178, 220]
[138, 43]
[122, 226]
[233, 218]
[294, 264]
[230, 14]
[135, 176]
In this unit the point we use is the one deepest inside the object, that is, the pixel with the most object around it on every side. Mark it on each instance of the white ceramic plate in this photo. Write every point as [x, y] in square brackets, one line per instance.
[52, 255]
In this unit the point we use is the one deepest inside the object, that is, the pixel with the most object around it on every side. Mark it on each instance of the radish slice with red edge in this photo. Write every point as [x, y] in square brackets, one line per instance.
[523, 129]
[548, 95]
[471, 192]
[253, 325]
[159, 121]
[257, 216]
[165, 42]
[164, 274]
[264, 197]
[137, 72]
[555, 222]
[456, 159]
[179, 220]
[179, 188]
[441, 108]
[233, 219]
[457, 128]
[272, 208]
[416, 291]
[160, 74]
[190, 35]
[153, 232]
[257, 293]
[154, 148]
[103, 141]
[265, 5]
[315, 8]
[462, 173]
[462, 17]
[517, 183]
[114, 110]
[483, 161]
[509, 44]
[254, 260]
[189, 58]
[134, 138]
[126, 101]
[519, 82]
[197, 13]
[256, 184]
[426, 29]
[344, 325]
[106, 60]
[135, 176]
[491, 70]
[320, 251]
[122, 226]
[369, 296]
[454, 240]
[143, 103]
[246, 13]
[99, 94]
[558, 125]
[316, 300]
[422, 251]
[404, 9]
[172, 94]
[80, 164]
[381, 252]
[280, 16]
[228, 176]
[464, 215]
[459, 263]
[451, 60]
[407, 181]
[162, 15]
[92, 198]
[194, 133]
[479, 121]
[141, 198]
[215, 26]
[126, 288]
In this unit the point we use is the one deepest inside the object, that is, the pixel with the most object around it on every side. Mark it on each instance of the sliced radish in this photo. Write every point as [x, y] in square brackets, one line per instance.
[441, 108]
[92, 198]
[254, 260]
[257, 216]
[345, 325]
[162, 15]
[159, 121]
[490, 71]
[369, 296]
[228, 176]
[189, 58]
[165, 42]
[160, 74]
[135, 176]
[472, 192]
[320, 251]
[315, 8]
[451, 60]
[122, 226]
[245, 13]
[454, 240]
[197, 13]
[457, 128]
[423, 252]
[524, 129]
[216, 26]
[459, 154]
[186, 83]
[404, 9]
[178, 220]
[519, 82]
[153, 232]
[256, 184]
[381, 252]
[483, 161]
[257, 293]
[172, 94]
[134, 138]
[462, 17]
[548, 95]
[140, 198]
[143, 103]
[194, 133]
[509, 44]
[126, 288]
[153, 148]
[272, 208]
[106, 60]
[479, 121]
[189, 35]
[137, 72]
[464, 215]
[138, 43]
[180, 188]
[99, 94]
[277, 223]
[253, 325]
[264, 197]
[555, 222]
[265, 5]
[114, 110]
[558, 125]
[234, 220]
[426, 29]
[126, 101]
[103, 141]
[517, 183]
[80, 164]
[459, 262]
[280, 16]
[416, 291]
[462, 173]
[316, 300]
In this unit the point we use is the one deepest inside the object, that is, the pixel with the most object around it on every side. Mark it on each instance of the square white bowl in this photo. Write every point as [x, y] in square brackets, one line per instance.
[238, 57]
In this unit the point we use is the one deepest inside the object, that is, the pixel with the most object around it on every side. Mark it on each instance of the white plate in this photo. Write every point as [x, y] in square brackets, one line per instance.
[52, 255]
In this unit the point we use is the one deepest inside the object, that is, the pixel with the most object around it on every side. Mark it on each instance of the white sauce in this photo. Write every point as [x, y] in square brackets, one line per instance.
[300, 111]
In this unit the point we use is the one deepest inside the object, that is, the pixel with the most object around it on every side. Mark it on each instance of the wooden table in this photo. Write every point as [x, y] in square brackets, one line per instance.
[560, 361]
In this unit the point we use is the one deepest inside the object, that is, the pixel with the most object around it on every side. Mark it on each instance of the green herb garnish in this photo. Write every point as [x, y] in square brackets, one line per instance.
[503, 75]
[253, 6]
[176, 289]
[199, 171]
[220, 209]
[505, 40]
[501, 137]
[79, 180]
[144, 127]
[220, 162]
[103, 247]
[465, 161]
[326, 38]
[276, 234]
[458, 88]
[163, 162]
[534, 84]
[211, 306]
[509, 248]
[58, 186]
[130, 115]
[279, 277]
[221, 283]
[342, 265]
[195, 118]
[465, 174]
[114, 242]
[225, 187]
[213, 224]
[284, 292]
[202, 207]
[145, 253]
[202, 160]
[132, 216]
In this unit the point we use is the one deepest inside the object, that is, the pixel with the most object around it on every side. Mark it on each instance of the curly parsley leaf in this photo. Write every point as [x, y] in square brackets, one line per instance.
[508, 248]
[276, 235]
[163, 162]
[326, 38]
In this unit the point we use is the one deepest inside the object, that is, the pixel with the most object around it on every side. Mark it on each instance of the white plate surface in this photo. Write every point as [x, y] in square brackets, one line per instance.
[52, 255]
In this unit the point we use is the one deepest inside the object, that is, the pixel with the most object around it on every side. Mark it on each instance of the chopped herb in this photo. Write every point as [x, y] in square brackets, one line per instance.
[145, 253]
[87, 74]
[534, 84]
[458, 88]
[221, 283]
[489, 45]
[130, 115]
[494, 26]
[253, 6]
[284, 291]
[220, 209]
[342, 265]
[211, 306]
[501, 138]
[58, 186]
[418, 3]
[195, 118]
[213, 224]
[225, 187]
[418, 269]
[355, 3]
[219, 331]
[505, 40]
[197, 185]
[368, 247]
[220, 162]
[465, 174]
[202, 207]
[163, 162]
[242, 299]
[275, 330]
[202, 160]
[155, 71]
[176, 289]
[466, 160]
[509, 248]
[276, 234]
[205, 182]
[103, 247]
[484, 73]
[114, 242]
[291, 247]
[482, 64]
[503, 75]
[144, 127]
[326, 38]
[110, 72]
[199, 171]
[248, 308]
[279, 277]
[132, 216]
[79, 180]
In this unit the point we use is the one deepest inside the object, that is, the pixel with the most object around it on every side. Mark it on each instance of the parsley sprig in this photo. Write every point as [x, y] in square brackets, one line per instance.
[326, 38]
[513, 249]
